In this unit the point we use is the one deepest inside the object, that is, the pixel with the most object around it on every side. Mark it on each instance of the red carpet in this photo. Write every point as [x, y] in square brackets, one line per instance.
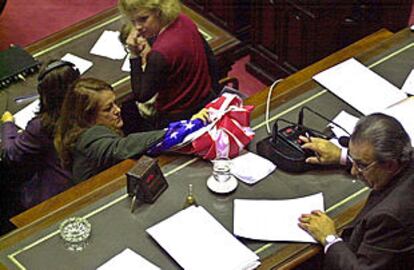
[24, 22]
[248, 84]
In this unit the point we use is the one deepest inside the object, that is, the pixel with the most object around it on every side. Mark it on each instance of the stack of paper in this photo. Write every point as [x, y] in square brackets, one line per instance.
[274, 220]
[128, 260]
[197, 241]
[360, 87]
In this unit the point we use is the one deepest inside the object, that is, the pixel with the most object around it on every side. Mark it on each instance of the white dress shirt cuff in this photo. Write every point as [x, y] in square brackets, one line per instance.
[344, 156]
[325, 249]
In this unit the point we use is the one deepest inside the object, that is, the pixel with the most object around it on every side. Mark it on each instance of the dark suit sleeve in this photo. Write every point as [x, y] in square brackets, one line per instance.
[145, 84]
[384, 238]
[108, 148]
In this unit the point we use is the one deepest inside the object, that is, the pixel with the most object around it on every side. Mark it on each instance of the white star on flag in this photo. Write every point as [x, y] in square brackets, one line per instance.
[189, 125]
[174, 135]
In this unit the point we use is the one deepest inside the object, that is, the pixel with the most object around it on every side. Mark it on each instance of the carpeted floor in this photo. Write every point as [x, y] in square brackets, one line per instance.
[24, 22]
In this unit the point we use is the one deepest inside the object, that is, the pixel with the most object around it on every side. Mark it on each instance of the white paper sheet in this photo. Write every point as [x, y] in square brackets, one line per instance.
[404, 112]
[126, 66]
[345, 120]
[22, 117]
[359, 86]
[251, 168]
[108, 45]
[128, 260]
[408, 86]
[252, 218]
[82, 64]
[199, 242]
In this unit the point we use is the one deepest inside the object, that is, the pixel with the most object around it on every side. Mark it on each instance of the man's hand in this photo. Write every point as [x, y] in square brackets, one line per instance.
[318, 225]
[7, 117]
[328, 153]
[202, 115]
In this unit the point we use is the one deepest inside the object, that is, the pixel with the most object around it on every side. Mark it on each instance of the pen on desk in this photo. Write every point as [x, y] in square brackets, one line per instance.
[133, 203]
[309, 139]
[26, 98]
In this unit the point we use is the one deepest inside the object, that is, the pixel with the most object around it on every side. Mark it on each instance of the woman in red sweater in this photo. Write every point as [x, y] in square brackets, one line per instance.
[171, 63]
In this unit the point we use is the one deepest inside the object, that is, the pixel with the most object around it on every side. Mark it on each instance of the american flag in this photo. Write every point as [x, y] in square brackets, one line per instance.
[225, 136]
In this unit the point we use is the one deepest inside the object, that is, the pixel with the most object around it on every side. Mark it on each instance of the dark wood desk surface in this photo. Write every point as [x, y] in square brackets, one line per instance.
[112, 180]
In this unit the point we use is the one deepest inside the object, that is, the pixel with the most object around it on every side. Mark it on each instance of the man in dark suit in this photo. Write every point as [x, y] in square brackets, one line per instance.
[382, 235]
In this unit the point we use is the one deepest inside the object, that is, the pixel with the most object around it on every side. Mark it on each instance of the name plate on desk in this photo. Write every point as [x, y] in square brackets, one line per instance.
[145, 180]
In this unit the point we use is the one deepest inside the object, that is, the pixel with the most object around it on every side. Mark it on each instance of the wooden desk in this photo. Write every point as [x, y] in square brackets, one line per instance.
[297, 88]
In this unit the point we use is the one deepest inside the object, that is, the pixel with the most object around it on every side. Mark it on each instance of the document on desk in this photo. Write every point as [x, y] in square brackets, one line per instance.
[197, 241]
[404, 112]
[251, 168]
[359, 86]
[108, 45]
[82, 64]
[128, 260]
[126, 66]
[274, 220]
[22, 117]
[408, 86]
[345, 120]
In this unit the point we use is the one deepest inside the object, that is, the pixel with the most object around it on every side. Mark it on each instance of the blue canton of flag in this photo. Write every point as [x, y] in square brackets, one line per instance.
[175, 134]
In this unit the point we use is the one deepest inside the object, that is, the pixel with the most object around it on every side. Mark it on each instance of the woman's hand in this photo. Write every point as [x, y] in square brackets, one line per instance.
[327, 152]
[7, 117]
[138, 46]
[318, 225]
[202, 115]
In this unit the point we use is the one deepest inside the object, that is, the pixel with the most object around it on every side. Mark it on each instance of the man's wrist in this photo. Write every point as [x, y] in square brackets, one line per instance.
[330, 240]
[343, 160]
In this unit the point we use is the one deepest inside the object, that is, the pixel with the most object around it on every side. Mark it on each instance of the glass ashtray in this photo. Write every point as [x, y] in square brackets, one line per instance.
[75, 232]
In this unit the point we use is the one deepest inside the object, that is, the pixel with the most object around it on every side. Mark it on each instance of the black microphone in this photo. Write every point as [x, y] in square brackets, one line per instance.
[344, 141]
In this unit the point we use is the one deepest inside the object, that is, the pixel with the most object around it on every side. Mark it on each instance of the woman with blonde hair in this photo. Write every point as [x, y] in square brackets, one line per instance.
[180, 69]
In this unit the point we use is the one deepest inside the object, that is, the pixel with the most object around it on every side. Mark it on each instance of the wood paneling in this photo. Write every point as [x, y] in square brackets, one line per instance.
[288, 35]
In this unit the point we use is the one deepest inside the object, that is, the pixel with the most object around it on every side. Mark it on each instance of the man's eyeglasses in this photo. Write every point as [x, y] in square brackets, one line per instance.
[361, 167]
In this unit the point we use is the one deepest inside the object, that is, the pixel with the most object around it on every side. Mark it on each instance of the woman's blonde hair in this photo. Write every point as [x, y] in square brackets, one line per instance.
[169, 9]
[78, 113]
